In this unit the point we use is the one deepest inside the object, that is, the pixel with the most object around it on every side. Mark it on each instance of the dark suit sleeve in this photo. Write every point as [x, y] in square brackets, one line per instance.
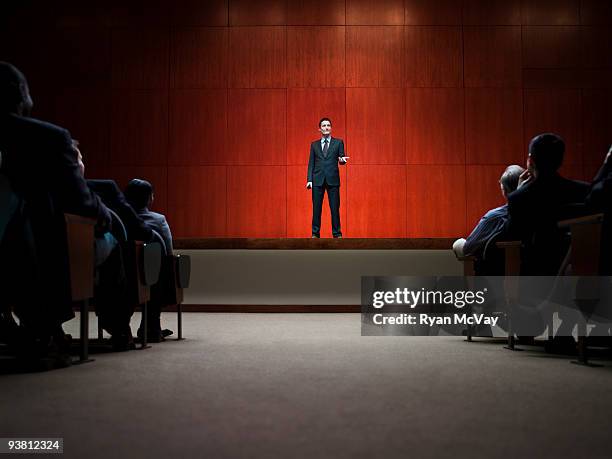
[136, 226]
[600, 194]
[604, 171]
[341, 149]
[311, 162]
[73, 192]
[487, 227]
[517, 216]
[166, 234]
[115, 200]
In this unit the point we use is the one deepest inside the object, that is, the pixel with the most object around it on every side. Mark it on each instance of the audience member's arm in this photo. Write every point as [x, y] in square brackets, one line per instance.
[139, 230]
[602, 185]
[605, 169]
[486, 228]
[167, 235]
[73, 191]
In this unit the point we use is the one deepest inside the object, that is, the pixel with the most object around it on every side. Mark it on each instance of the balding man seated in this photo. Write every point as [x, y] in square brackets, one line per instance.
[493, 224]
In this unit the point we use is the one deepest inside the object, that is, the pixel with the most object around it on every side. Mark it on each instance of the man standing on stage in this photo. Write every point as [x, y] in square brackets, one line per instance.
[323, 174]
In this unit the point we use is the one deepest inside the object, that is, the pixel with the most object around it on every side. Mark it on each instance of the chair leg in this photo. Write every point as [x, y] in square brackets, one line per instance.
[179, 314]
[100, 332]
[470, 329]
[84, 331]
[145, 325]
[511, 340]
[583, 350]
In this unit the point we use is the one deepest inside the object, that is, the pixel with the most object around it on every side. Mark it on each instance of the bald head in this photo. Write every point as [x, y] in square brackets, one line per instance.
[510, 179]
[14, 92]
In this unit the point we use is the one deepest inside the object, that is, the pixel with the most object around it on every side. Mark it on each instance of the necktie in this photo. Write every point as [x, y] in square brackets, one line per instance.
[326, 147]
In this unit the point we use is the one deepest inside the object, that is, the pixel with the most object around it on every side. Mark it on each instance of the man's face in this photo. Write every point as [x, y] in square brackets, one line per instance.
[503, 190]
[28, 104]
[80, 161]
[325, 128]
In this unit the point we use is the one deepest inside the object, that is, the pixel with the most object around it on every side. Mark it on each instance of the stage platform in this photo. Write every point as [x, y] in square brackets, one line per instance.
[302, 275]
[313, 244]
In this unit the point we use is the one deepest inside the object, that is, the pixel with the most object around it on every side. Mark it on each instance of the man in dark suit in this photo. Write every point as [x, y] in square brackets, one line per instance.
[140, 194]
[541, 200]
[323, 174]
[113, 305]
[39, 162]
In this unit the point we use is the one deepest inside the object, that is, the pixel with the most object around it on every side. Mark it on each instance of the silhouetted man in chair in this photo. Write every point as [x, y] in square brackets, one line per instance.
[113, 303]
[323, 174]
[39, 162]
[541, 200]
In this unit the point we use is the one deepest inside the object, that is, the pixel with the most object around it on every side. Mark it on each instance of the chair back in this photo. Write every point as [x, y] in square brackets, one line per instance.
[586, 236]
[80, 243]
[117, 227]
[150, 260]
[183, 270]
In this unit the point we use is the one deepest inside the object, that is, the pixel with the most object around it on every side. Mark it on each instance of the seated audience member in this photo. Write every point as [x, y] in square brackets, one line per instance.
[542, 199]
[493, 223]
[40, 165]
[113, 306]
[140, 195]
[112, 196]
[600, 200]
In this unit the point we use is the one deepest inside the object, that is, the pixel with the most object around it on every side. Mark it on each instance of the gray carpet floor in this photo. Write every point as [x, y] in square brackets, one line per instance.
[308, 385]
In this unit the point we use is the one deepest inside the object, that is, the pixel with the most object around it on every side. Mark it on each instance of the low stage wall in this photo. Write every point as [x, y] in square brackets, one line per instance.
[267, 275]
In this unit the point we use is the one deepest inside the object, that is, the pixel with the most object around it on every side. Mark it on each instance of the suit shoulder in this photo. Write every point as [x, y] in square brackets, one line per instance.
[38, 127]
[157, 216]
[103, 182]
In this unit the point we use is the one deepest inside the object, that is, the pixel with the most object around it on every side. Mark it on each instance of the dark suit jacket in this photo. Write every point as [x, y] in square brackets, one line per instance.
[114, 199]
[534, 211]
[600, 200]
[158, 223]
[41, 165]
[321, 167]
[600, 195]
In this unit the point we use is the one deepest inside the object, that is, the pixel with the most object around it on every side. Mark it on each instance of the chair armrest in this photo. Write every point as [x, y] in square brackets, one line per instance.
[512, 251]
[508, 244]
[586, 220]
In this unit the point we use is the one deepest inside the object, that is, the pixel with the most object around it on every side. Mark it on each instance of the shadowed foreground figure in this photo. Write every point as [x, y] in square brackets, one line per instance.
[542, 199]
[40, 165]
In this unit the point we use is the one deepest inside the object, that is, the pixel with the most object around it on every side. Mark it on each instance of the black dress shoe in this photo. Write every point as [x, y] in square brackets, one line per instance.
[123, 342]
[153, 336]
[166, 332]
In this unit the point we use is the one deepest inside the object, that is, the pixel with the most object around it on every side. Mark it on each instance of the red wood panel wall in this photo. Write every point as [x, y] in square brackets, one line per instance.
[217, 101]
